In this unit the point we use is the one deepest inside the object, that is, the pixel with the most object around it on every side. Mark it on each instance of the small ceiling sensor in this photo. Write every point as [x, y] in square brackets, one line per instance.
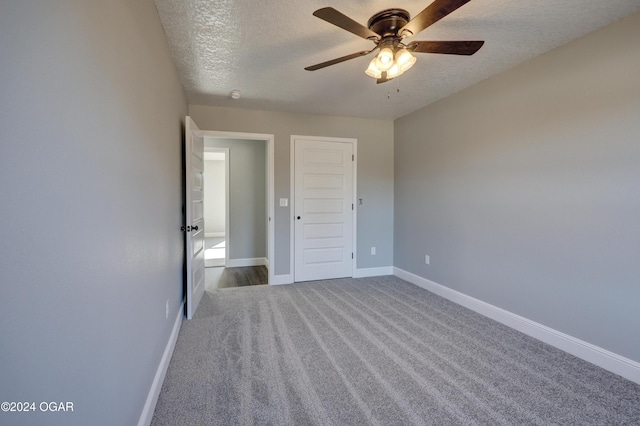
[235, 94]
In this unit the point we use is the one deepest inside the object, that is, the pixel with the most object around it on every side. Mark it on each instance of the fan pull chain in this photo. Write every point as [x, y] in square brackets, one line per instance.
[397, 88]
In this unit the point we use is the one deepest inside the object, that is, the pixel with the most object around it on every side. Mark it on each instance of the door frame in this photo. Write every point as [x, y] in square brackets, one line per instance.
[268, 139]
[354, 212]
[226, 200]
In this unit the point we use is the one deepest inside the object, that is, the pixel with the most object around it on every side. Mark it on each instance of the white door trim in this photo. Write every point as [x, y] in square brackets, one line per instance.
[269, 140]
[354, 212]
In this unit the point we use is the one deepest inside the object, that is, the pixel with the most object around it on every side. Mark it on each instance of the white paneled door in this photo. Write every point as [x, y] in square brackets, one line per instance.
[194, 217]
[323, 208]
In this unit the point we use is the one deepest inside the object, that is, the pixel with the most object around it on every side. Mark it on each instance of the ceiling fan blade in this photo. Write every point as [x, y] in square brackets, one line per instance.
[446, 47]
[338, 60]
[430, 15]
[341, 20]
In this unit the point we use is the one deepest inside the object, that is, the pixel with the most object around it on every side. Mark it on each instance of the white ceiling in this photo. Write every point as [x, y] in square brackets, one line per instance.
[262, 47]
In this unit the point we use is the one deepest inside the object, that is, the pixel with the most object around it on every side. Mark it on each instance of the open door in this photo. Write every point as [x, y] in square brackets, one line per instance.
[194, 226]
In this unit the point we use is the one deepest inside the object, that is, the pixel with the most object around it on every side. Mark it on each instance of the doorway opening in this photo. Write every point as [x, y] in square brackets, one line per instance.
[238, 206]
[216, 206]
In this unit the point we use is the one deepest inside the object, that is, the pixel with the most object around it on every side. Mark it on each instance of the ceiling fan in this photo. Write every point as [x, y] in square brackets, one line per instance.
[387, 29]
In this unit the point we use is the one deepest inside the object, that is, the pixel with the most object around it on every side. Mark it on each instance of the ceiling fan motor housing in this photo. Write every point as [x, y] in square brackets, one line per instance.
[388, 22]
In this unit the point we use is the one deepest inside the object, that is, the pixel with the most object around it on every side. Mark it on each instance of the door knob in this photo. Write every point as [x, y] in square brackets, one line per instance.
[298, 217]
[194, 228]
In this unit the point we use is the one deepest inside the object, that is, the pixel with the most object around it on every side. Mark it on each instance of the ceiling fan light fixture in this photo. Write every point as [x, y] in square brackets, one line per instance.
[393, 72]
[384, 60]
[372, 70]
[390, 64]
[404, 59]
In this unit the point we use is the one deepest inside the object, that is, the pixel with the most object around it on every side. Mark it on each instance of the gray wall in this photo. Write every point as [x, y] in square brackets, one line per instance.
[90, 206]
[525, 190]
[247, 197]
[375, 171]
[214, 196]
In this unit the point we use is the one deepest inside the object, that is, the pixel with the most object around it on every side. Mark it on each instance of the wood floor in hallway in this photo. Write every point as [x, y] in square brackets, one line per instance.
[221, 277]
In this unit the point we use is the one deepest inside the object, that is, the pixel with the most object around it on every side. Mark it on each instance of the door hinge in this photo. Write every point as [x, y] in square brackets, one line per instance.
[351, 206]
[353, 157]
[352, 255]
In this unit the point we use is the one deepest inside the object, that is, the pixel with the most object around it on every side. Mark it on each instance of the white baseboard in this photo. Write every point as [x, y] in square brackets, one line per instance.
[282, 279]
[359, 273]
[608, 360]
[156, 385]
[373, 272]
[255, 261]
[214, 234]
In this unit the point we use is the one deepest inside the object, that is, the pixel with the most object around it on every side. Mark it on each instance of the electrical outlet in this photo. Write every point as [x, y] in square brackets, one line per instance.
[426, 259]
[166, 312]
[373, 250]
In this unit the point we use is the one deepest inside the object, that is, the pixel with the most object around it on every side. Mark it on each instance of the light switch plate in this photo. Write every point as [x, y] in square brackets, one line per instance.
[284, 202]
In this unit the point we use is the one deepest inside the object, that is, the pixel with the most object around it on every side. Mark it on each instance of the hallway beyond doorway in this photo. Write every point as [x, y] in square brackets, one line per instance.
[220, 277]
[214, 251]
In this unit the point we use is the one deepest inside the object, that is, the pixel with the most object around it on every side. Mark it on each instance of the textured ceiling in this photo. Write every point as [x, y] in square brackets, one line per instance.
[262, 47]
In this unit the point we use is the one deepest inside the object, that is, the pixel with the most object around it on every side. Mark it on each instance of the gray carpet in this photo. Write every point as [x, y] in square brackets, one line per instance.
[374, 351]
